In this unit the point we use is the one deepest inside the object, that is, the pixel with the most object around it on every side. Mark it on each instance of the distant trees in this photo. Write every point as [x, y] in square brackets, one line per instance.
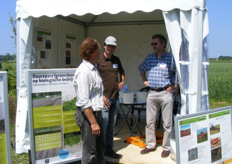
[7, 57]
[8, 63]
[224, 57]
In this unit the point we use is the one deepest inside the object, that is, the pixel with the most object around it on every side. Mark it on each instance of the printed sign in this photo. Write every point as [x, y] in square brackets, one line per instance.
[204, 137]
[55, 135]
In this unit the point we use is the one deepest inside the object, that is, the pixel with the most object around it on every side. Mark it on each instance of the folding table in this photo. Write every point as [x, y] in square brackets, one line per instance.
[131, 107]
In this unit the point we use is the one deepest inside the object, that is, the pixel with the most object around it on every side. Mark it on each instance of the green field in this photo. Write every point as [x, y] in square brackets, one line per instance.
[220, 83]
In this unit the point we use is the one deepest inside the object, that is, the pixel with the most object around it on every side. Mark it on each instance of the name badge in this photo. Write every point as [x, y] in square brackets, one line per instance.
[115, 65]
[163, 66]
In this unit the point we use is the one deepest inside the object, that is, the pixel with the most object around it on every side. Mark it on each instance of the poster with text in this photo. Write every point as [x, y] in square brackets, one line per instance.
[69, 53]
[5, 149]
[205, 137]
[44, 49]
[56, 135]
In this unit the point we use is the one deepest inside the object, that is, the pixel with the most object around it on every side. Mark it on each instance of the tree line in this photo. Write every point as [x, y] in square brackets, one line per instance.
[7, 57]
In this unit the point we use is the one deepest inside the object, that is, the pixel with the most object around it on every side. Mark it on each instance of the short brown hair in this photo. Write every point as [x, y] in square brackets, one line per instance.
[161, 38]
[88, 47]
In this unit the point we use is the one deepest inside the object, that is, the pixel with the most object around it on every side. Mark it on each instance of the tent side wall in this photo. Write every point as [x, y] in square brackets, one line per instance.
[61, 31]
[28, 55]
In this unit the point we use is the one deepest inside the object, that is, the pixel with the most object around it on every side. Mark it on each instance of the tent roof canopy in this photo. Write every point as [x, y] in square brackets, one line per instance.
[52, 8]
[122, 18]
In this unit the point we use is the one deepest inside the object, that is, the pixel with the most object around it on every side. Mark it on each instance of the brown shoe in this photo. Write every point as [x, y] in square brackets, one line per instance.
[146, 150]
[165, 153]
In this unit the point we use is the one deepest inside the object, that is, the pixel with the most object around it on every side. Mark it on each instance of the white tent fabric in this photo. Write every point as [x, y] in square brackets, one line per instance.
[51, 8]
[186, 24]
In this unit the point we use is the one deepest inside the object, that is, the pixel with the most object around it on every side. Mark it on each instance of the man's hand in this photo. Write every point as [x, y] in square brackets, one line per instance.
[95, 129]
[120, 85]
[171, 88]
[106, 102]
[146, 83]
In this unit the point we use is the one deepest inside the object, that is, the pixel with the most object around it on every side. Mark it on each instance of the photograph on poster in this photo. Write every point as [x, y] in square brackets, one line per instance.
[214, 128]
[71, 50]
[39, 37]
[216, 154]
[72, 133]
[68, 57]
[202, 135]
[68, 44]
[215, 142]
[42, 55]
[48, 44]
[185, 130]
[192, 154]
[47, 116]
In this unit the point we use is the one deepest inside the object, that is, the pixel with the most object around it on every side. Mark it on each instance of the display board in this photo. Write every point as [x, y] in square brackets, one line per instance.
[54, 134]
[204, 137]
[44, 49]
[70, 50]
[5, 149]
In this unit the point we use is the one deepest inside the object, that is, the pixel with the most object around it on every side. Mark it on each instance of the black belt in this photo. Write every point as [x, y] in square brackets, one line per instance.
[158, 89]
[95, 113]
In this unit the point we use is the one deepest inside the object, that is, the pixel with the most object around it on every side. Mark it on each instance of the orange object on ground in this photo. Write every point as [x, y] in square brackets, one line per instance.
[138, 142]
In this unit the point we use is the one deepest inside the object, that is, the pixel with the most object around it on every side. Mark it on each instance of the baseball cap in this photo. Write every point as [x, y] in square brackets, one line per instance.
[110, 40]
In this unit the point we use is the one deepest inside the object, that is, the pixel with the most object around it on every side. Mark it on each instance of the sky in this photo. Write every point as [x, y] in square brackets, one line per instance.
[219, 39]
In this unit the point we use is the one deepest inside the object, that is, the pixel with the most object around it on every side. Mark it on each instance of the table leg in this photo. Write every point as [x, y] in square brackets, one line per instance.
[136, 122]
[125, 119]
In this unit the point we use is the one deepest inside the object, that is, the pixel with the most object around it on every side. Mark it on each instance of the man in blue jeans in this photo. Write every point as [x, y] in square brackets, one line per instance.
[110, 69]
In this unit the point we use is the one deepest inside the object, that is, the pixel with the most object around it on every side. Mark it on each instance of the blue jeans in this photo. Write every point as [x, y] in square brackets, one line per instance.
[109, 116]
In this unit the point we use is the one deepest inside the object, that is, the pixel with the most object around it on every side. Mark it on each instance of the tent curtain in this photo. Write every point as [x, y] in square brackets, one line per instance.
[186, 35]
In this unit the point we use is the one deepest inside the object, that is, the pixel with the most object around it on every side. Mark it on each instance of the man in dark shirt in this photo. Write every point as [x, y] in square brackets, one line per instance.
[110, 68]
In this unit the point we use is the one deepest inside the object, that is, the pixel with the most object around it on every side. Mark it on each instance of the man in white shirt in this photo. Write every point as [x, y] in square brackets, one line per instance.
[89, 91]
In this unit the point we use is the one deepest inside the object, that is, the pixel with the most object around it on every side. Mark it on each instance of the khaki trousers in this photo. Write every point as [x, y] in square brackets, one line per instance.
[155, 100]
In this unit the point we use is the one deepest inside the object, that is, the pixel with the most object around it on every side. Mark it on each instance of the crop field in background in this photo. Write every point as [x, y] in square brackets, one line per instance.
[220, 83]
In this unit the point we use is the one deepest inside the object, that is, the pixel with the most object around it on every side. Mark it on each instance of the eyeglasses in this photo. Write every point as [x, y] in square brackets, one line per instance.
[154, 44]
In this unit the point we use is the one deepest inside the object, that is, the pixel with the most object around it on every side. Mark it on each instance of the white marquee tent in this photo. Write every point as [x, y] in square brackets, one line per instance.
[132, 22]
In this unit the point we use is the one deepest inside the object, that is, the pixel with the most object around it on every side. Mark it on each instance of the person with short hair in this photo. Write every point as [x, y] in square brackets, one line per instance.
[89, 90]
[110, 69]
[160, 68]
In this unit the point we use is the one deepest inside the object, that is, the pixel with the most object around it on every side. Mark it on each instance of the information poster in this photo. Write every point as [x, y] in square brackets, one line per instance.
[55, 135]
[5, 149]
[69, 53]
[43, 47]
[204, 137]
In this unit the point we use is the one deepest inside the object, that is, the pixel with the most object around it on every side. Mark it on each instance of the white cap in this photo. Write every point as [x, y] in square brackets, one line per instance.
[110, 40]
